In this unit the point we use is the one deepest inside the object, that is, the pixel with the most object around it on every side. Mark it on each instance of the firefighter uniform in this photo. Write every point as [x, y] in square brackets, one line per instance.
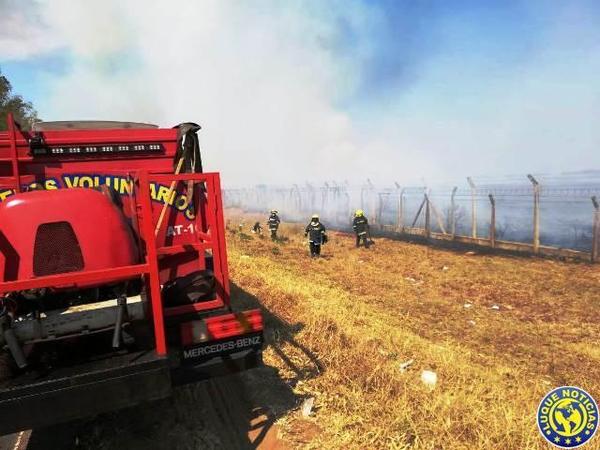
[317, 235]
[273, 223]
[360, 224]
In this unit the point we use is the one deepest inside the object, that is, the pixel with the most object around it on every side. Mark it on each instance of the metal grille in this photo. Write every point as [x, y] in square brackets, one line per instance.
[56, 249]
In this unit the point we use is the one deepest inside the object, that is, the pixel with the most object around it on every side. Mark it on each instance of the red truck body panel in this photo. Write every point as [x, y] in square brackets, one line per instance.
[115, 169]
[138, 165]
[99, 234]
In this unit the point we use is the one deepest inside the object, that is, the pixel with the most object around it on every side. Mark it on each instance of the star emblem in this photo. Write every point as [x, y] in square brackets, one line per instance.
[567, 441]
[557, 439]
[578, 439]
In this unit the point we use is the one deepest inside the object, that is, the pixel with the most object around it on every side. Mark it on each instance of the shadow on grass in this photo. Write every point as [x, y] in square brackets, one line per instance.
[279, 334]
[238, 411]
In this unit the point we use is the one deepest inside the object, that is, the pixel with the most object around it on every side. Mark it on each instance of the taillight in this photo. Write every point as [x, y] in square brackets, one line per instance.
[220, 327]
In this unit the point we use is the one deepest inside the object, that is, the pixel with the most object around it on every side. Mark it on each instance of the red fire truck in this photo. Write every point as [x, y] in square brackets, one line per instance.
[113, 271]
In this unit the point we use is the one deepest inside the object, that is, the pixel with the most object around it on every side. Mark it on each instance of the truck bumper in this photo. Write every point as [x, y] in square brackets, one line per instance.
[217, 366]
[114, 383]
[121, 380]
[236, 344]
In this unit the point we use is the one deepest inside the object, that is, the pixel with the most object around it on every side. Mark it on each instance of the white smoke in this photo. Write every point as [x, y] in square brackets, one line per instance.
[263, 81]
[23, 31]
[261, 85]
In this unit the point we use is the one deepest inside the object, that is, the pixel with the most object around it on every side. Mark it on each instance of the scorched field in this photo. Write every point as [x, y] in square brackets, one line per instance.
[349, 337]
[356, 329]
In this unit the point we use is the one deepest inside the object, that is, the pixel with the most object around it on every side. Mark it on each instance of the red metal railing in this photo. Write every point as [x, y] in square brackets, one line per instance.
[207, 236]
[213, 239]
[12, 132]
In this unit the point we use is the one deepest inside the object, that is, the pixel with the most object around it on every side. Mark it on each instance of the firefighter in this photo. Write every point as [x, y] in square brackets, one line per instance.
[317, 235]
[257, 229]
[360, 224]
[273, 223]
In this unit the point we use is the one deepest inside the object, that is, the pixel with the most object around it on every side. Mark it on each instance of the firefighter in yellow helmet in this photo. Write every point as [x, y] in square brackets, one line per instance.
[317, 235]
[360, 225]
[273, 222]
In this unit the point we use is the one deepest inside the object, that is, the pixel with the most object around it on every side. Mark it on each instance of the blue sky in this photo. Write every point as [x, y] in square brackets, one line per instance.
[426, 88]
[27, 76]
[485, 36]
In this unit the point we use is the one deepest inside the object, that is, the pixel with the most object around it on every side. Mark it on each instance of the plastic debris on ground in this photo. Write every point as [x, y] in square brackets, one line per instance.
[307, 406]
[405, 365]
[429, 378]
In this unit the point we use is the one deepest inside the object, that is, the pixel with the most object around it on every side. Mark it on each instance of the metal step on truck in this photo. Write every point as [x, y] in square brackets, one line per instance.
[114, 285]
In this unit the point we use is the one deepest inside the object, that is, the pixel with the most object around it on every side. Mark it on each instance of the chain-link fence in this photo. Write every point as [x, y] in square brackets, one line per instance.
[537, 213]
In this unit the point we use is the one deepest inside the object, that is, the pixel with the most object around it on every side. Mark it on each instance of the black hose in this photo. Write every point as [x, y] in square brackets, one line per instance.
[10, 338]
[15, 348]
[122, 309]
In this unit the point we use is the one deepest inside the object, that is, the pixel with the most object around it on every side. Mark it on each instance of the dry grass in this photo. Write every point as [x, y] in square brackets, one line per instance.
[361, 313]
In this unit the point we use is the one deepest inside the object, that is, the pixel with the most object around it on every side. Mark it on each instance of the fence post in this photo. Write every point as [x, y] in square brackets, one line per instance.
[596, 230]
[373, 211]
[380, 210]
[324, 197]
[473, 208]
[536, 213]
[298, 198]
[418, 213]
[399, 218]
[493, 222]
[335, 193]
[453, 212]
[347, 204]
[437, 214]
[427, 217]
[362, 198]
[313, 198]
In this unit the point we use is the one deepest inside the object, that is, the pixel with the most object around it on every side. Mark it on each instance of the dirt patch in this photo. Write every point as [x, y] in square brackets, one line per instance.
[303, 432]
[266, 434]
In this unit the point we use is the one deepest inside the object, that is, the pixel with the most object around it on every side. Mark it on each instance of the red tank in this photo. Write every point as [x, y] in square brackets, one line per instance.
[59, 231]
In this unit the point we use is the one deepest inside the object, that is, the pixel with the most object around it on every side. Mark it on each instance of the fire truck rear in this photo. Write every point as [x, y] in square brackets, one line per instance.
[114, 285]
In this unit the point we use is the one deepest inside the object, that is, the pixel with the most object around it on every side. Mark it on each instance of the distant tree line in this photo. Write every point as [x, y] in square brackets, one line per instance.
[23, 111]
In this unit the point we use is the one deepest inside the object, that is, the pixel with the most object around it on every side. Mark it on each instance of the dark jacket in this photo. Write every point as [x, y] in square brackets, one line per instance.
[316, 232]
[273, 222]
[360, 225]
